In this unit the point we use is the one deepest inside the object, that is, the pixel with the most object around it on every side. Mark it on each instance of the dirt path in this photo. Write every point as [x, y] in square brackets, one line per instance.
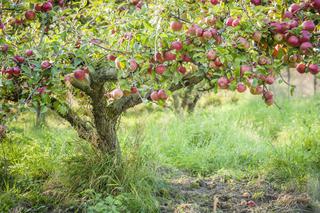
[189, 194]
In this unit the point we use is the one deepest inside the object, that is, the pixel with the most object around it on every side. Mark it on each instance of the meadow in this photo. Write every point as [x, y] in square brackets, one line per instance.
[171, 162]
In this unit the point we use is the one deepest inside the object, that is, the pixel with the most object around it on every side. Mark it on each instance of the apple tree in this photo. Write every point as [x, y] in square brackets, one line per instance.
[113, 55]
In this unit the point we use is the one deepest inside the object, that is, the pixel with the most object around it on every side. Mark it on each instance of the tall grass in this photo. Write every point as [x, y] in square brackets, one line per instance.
[247, 138]
[51, 168]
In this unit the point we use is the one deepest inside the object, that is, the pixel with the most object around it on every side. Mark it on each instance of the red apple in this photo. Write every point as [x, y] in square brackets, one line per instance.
[210, 20]
[134, 2]
[257, 35]
[111, 57]
[301, 68]
[38, 7]
[293, 24]
[314, 69]
[9, 71]
[305, 36]
[214, 2]
[186, 58]
[42, 90]
[223, 82]
[244, 69]
[18, 59]
[229, 21]
[214, 32]
[177, 45]
[133, 65]
[199, 32]
[182, 69]
[176, 25]
[269, 102]
[207, 34]
[243, 43]
[30, 15]
[117, 93]
[256, 2]
[241, 87]
[217, 62]
[269, 79]
[235, 22]
[160, 69]
[268, 95]
[169, 56]
[154, 96]
[61, 3]
[4, 48]
[294, 8]
[293, 41]
[45, 65]
[162, 95]
[308, 25]
[79, 74]
[46, 7]
[316, 4]
[306, 47]
[16, 71]
[29, 53]
[287, 15]
[212, 54]
[134, 90]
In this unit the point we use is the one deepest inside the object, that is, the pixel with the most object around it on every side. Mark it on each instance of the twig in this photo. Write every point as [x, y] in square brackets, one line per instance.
[111, 50]
[181, 19]
[245, 11]
[285, 81]
[275, 103]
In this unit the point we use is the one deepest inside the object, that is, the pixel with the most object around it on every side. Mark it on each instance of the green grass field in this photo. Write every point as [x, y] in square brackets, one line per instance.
[50, 168]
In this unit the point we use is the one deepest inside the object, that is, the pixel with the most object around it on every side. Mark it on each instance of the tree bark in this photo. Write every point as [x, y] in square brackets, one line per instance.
[314, 85]
[192, 104]
[105, 121]
[38, 114]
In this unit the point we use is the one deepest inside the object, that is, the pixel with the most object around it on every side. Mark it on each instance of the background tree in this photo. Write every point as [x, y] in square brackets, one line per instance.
[114, 55]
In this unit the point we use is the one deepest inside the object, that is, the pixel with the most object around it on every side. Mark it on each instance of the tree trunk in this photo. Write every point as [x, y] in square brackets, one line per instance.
[192, 104]
[105, 123]
[314, 85]
[38, 114]
[176, 103]
[289, 81]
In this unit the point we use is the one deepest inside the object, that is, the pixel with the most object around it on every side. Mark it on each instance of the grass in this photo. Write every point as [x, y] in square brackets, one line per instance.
[50, 168]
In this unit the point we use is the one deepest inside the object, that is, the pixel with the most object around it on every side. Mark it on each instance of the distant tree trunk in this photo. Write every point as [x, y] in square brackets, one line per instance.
[314, 85]
[189, 99]
[192, 104]
[176, 103]
[289, 79]
[38, 114]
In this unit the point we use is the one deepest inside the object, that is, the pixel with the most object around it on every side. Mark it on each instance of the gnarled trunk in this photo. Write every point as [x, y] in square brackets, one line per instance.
[105, 122]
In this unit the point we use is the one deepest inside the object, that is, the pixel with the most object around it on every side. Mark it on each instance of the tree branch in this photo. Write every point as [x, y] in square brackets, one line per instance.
[102, 75]
[84, 129]
[188, 80]
[125, 103]
[132, 100]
